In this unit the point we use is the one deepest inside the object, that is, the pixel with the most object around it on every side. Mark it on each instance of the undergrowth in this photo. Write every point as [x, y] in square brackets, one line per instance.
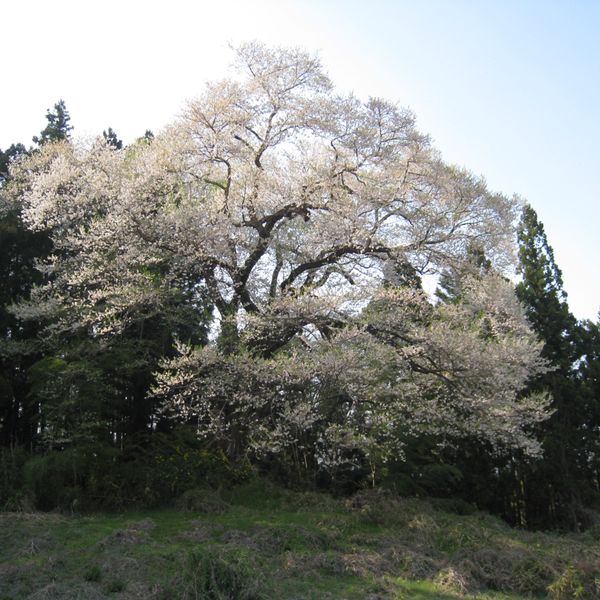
[261, 542]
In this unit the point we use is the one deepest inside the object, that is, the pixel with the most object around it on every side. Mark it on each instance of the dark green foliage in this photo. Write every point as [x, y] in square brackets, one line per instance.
[588, 372]
[12, 461]
[150, 470]
[58, 127]
[54, 479]
[455, 506]
[112, 139]
[422, 470]
[180, 469]
[440, 479]
[20, 249]
[553, 486]
[147, 137]
[541, 289]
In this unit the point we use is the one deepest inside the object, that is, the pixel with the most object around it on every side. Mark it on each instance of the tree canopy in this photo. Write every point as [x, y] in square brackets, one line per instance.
[283, 209]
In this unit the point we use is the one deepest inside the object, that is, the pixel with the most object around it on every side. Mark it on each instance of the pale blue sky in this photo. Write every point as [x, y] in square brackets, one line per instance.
[510, 90]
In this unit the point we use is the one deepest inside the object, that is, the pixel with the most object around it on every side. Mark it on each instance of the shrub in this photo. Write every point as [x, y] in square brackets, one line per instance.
[212, 576]
[202, 501]
[151, 470]
[55, 480]
[182, 468]
[439, 479]
[576, 583]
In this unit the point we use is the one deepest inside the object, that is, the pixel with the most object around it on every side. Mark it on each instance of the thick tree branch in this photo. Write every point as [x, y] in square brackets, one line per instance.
[329, 257]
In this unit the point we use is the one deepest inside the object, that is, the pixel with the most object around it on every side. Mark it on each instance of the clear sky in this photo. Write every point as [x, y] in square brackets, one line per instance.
[509, 89]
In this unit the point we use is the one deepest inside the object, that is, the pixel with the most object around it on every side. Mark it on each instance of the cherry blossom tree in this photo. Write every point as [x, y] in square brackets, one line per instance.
[402, 368]
[283, 205]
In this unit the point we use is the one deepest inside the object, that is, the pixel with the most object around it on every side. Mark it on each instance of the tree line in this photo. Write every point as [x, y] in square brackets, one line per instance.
[244, 292]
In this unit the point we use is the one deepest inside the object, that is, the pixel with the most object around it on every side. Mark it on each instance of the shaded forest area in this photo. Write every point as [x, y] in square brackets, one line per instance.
[243, 294]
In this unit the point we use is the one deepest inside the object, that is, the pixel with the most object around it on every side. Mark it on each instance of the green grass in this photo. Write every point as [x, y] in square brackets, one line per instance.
[275, 544]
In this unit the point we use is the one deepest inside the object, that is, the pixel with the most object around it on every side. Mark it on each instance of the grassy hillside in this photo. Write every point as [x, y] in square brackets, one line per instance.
[261, 542]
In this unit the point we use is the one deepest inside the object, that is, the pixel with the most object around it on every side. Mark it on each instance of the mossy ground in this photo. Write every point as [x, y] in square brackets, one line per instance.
[262, 542]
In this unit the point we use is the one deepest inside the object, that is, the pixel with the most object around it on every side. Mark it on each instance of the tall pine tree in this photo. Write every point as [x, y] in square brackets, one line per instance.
[588, 370]
[553, 486]
[58, 127]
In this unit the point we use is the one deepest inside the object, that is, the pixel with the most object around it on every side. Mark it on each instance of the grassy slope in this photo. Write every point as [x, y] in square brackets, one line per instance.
[259, 543]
